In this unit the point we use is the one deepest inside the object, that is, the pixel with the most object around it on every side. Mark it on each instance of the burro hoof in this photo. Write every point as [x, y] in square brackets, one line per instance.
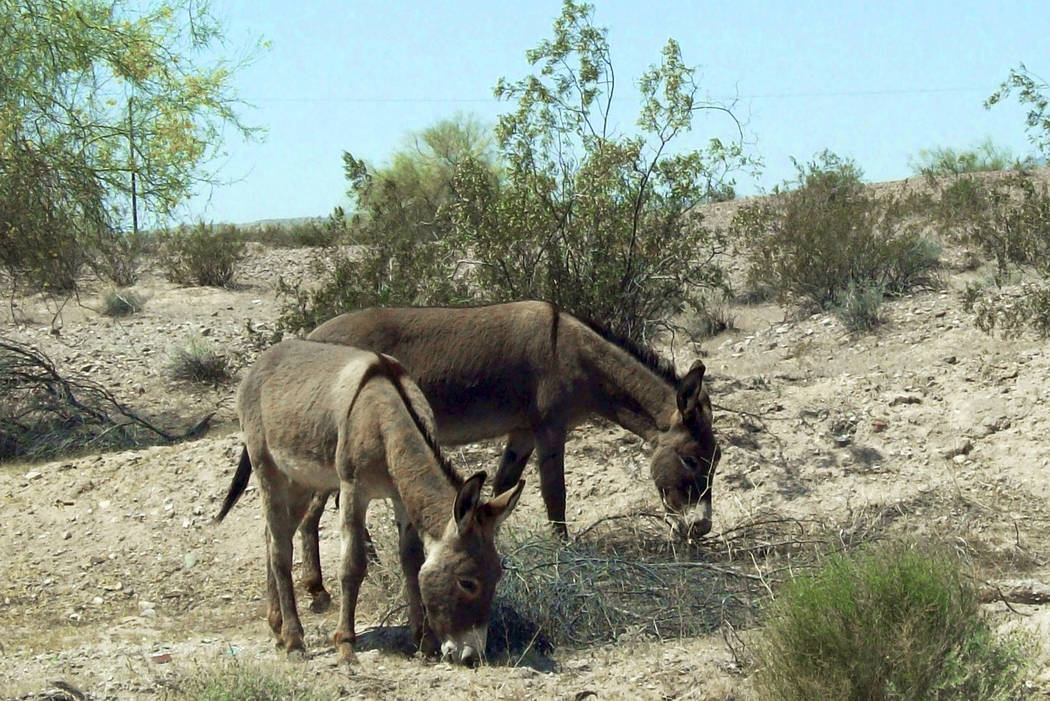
[344, 644]
[296, 654]
[321, 602]
[347, 655]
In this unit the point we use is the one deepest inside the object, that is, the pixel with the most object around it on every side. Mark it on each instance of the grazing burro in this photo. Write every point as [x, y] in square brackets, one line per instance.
[531, 372]
[320, 418]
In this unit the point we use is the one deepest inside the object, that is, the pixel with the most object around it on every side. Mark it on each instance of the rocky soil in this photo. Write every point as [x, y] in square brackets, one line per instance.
[115, 582]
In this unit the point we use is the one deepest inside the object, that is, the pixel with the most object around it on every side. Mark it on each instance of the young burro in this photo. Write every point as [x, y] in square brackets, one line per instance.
[320, 418]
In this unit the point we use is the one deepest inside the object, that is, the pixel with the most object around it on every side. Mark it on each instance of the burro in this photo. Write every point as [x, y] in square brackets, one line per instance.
[320, 418]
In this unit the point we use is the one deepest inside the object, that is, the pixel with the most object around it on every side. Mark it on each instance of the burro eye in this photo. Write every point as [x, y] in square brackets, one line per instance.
[469, 585]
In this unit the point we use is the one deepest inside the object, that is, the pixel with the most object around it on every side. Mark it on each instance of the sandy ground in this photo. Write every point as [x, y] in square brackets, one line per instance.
[115, 581]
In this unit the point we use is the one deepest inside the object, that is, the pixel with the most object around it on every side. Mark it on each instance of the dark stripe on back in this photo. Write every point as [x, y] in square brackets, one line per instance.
[395, 371]
[659, 365]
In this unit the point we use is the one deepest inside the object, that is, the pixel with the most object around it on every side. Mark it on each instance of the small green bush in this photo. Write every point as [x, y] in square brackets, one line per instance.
[970, 294]
[895, 621]
[202, 255]
[199, 363]
[985, 156]
[860, 307]
[828, 235]
[122, 303]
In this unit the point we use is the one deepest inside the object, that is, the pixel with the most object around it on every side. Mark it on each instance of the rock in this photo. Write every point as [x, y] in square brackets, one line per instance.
[33, 475]
[905, 399]
[961, 446]
[994, 424]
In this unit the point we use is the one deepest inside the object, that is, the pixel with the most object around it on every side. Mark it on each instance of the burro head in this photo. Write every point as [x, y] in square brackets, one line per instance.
[458, 578]
[683, 464]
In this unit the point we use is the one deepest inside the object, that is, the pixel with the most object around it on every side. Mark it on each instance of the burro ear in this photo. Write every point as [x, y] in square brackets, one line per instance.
[689, 390]
[467, 500]
[492, 513]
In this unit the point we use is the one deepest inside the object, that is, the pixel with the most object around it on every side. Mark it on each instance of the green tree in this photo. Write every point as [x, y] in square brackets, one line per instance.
[94, 92]
[1030, 90]
[599, 222]
[405, 252]
[562, 208]
[406, 200]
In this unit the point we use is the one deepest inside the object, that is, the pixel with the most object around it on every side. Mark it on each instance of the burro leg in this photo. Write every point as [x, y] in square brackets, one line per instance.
[354, 563]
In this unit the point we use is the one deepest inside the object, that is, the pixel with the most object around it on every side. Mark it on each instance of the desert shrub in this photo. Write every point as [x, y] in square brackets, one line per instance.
[860, 307]
[708, 317]
[122, 303]
[197, 362]
[892, 621]
[119, 258]
[825, 236]
[1014, 225]
[1007, 219]
[970, 294]
[958, 201]
[1012, 312]
[203, 254]
[302, 233]
[47, 216]
[403, 252]
[240, 681]
[985, 156]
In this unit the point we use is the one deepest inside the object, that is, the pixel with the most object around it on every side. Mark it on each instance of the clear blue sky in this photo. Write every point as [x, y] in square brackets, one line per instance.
[874, 81]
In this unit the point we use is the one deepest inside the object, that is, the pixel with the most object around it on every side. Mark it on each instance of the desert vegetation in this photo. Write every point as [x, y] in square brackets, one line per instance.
[836, 570]
[888, 621]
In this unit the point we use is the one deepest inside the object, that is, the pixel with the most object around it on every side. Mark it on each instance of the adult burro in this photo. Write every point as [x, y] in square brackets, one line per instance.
[319, 418]
[530, 371]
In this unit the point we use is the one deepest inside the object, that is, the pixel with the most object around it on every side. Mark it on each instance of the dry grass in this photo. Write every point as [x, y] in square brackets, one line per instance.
[199, 363]
[239, 681]
[122, 302]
